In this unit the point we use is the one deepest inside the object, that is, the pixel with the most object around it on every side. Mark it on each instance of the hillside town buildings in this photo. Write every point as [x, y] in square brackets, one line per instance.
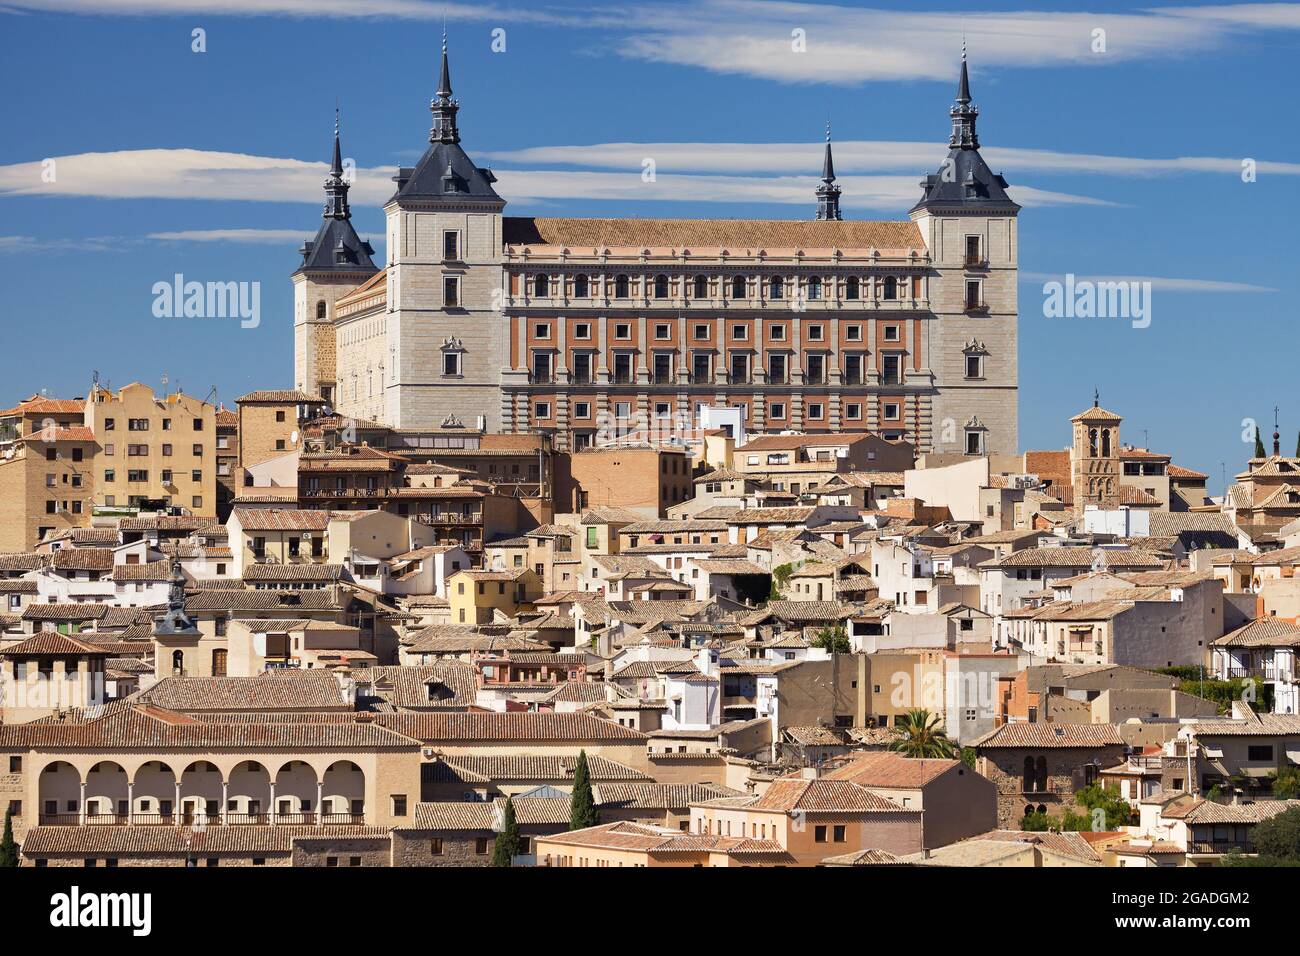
[724, 525]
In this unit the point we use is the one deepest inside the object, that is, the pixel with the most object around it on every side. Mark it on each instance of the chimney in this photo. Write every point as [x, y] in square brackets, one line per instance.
[809, 773]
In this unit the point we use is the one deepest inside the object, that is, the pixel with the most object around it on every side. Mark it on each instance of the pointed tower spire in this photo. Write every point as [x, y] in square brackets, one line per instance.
[828, 194]
[336, 185]
[443, 107]
[963, 113]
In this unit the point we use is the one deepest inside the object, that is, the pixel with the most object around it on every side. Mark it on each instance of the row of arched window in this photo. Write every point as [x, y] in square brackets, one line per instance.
[660, 288]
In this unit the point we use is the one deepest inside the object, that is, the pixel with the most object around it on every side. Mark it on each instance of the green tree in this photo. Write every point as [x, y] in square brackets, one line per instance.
[833, 639]
[968, 757]
[1297, 445]
[1277, 840]
[506, 847]
[922, 736]
[1107, 799]
[1259, 445]
[582, 805]
[780, 575]
[1035, 822]
[8, 848]
[1286, 783]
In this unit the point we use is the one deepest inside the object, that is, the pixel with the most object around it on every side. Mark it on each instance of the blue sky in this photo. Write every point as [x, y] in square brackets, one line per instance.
[1128, 163]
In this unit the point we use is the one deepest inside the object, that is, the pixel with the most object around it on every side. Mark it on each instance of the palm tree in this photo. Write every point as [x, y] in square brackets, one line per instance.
[922, 736]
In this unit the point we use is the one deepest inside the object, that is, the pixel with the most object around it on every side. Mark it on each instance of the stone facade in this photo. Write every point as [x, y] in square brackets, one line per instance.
[598, 327]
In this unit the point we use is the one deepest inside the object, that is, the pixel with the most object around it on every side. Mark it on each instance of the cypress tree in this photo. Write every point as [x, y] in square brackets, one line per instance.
[506, 847]
[1259, 445]
[8, 848]
[582, 805]
[1297, 445]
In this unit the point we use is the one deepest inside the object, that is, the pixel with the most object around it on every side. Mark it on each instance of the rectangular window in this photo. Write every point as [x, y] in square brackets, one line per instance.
[815, 369]
[581, 371]
[701, 333]
[451, 292]
[740, 333]
[777, 410]
[889, 372]
[853, 333]
[776, 368]
[450, 363]
[739, 367]
[853, 410]
[815, 333]
[541, 410]
[891, 333]
[622, 331]
[777, 333]
[974, 300]
[701, 366]
[622, 368]
[582, 330]
[451, 245]
[582, 410]
[852, 371]
[974, 366]
[541, 366]
[663, 332]
[815, 410]
[891, 411]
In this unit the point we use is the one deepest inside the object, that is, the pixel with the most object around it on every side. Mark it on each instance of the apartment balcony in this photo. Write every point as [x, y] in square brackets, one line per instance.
[1219, 846]
[1267, 672]
[454, 519]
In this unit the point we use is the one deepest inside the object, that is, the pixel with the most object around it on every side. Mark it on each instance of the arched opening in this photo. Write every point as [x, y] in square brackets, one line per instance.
[107, 788]
[154, 794]
[738, 287]
[178, 663]
[1029, 777]
[541, 284]
[295, 793]
[320, 309]
[661, 287]
[622, 288]
[248, 795]
[1041, 768]
[701, 290]
[891, 287]
[776, 288]
[59, 791]
[814, 288]
[1092, 443]
[851, 288]
[1105, 443]
[200, 793]
[343, 793]
[581, 287]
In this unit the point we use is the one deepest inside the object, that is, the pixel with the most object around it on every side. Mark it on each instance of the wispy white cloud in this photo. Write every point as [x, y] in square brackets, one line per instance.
[863, 156]
[848, 45]
[1161, 283]
[315, 9]
[843, 44]
[197, 174]
[274, 237]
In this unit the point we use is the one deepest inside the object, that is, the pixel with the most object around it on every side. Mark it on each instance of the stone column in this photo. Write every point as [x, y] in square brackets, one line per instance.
[81, 813]
[320, 804]
[225, 797]
[271, 809]
[176, 803]
[130, 801]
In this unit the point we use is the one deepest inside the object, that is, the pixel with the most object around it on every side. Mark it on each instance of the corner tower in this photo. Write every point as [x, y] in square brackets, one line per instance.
[445, 334]
[968, 223]
[334, 263]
